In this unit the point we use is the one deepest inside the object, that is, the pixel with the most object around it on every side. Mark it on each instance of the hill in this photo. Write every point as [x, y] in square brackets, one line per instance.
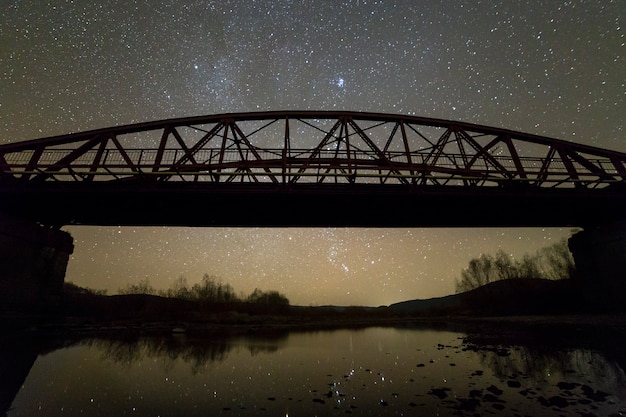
[511, 297]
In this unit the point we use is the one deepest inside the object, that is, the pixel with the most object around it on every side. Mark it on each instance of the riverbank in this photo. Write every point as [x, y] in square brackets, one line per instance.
[512, 306]
[308, 319]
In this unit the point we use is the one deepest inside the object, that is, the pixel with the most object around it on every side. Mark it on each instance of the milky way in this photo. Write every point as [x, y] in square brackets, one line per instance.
[552, 68]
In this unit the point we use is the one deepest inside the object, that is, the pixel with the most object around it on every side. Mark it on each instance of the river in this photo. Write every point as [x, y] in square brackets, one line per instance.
[369, 372]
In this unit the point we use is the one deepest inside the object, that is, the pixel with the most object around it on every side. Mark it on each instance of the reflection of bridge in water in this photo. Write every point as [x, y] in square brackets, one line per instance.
[301, 168]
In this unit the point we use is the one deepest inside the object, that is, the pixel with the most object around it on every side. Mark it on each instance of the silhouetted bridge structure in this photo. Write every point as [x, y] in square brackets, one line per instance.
[310, 168]
[302, 168]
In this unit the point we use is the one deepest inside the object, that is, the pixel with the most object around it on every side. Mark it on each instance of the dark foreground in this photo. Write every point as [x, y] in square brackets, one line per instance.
[523, 348]
[447, 366]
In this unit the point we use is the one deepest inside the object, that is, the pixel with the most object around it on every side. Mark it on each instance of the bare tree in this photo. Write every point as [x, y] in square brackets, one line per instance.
[267, 297]
[210, 289]
[552, 262]
[479, 272]
[557, 261]
[505, 265]
[143, 287]
[178, 289]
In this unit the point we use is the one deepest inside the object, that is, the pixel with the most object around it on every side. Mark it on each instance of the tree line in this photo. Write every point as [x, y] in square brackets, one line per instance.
[209, 289]
[552, 262]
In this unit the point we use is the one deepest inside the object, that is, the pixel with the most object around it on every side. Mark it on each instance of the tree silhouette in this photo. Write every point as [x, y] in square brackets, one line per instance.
[209, 289]
[269, 297]
[553, 262]
[143, 287]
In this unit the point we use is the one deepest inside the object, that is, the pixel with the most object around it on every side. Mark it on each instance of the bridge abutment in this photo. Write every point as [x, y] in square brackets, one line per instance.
[33, 261]
[600, 256]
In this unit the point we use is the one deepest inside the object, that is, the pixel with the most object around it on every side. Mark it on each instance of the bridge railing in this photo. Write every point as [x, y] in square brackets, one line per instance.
[297, 165]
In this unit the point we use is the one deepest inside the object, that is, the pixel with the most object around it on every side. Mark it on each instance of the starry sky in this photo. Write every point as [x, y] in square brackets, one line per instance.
[553, 68]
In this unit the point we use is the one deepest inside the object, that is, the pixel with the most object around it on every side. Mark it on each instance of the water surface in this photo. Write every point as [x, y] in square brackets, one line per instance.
[374, 371]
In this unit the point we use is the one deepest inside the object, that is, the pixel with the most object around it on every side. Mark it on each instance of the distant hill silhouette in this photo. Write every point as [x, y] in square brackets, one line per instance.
[515, 297]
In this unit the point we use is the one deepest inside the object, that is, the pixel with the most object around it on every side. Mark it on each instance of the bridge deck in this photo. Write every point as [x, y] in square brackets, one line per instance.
[236, 204]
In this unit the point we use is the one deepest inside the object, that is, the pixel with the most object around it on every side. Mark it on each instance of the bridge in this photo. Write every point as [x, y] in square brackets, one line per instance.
[310, 168]
[302, 168]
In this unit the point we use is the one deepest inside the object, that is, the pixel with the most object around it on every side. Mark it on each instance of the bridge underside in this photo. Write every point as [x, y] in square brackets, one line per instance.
[309, 205]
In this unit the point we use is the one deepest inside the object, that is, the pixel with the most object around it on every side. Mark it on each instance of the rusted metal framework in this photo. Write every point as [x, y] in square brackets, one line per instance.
[228, 159]
[321, 147]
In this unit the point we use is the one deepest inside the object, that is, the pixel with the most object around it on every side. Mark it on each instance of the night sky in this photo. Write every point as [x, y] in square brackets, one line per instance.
[553, 68]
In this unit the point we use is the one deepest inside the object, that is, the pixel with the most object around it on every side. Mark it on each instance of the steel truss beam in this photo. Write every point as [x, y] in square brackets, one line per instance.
[320, 147]
[308, 160]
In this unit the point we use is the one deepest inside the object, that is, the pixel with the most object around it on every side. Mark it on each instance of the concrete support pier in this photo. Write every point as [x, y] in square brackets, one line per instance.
[600, 256]
[33, 261]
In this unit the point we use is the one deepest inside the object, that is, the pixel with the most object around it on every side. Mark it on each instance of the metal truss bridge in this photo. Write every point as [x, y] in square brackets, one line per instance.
[310, 168]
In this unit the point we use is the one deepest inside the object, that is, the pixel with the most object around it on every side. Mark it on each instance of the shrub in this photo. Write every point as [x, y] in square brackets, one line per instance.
[209, 289]
[178, 289]
[143, 287]
[268, 297]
